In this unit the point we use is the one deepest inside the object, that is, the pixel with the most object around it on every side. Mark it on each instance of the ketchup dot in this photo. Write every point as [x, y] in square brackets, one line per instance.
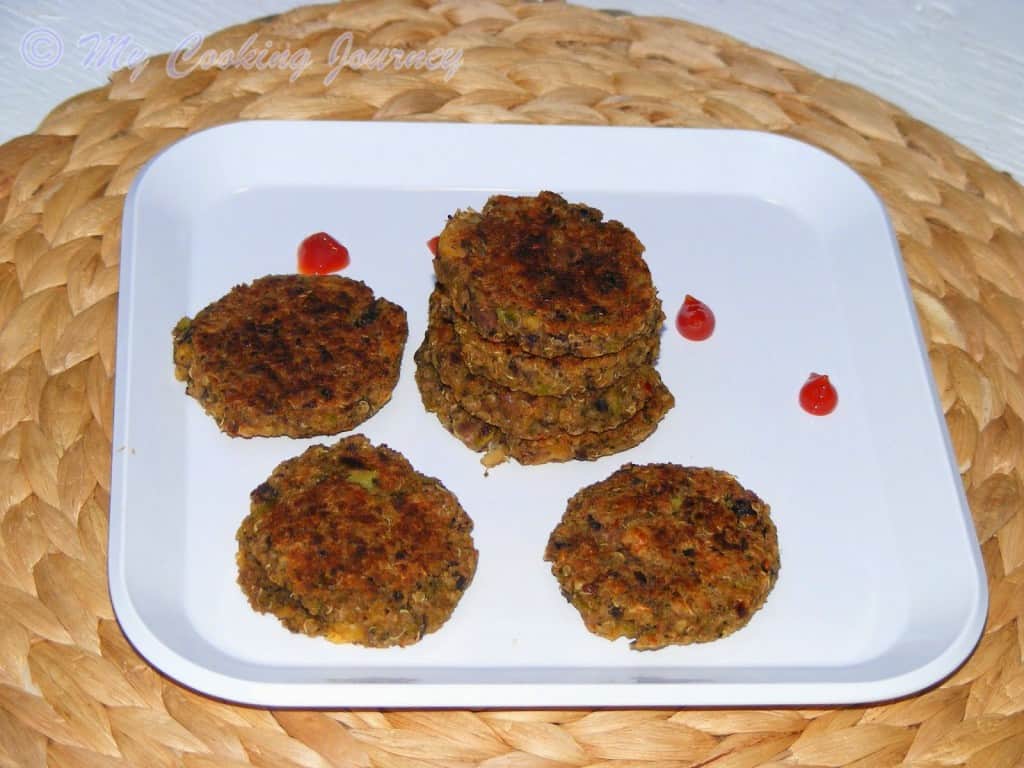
[818, 396]
[695, 320]
[321, 254]
[432, 244]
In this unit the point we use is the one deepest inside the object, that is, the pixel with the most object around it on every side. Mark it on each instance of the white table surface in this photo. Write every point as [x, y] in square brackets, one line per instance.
[956, 64]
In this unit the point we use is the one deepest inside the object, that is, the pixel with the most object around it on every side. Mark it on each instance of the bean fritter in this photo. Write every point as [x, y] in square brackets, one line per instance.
[665, 554]
[480, 436]
[535, 416]
[351, 543]
[296, 355]
[508, 365]
[547, 275]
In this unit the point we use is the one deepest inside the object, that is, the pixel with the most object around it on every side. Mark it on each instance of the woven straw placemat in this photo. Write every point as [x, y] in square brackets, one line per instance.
[73, 692]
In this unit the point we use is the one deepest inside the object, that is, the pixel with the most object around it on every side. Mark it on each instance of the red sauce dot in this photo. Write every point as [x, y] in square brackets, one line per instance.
[321, 254]
[695, 320]
[818, 396]
[432, 244]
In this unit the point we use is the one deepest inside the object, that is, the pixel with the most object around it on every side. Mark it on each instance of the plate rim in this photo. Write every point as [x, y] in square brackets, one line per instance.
[216, 683]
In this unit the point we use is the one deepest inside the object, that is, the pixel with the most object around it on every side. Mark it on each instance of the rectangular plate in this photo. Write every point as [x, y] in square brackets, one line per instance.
[881, 590]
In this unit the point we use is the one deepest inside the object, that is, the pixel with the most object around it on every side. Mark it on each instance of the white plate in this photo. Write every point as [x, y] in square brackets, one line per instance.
[881, 590]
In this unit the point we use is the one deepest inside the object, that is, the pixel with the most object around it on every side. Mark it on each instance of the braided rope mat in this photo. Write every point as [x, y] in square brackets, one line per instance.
[73, 692]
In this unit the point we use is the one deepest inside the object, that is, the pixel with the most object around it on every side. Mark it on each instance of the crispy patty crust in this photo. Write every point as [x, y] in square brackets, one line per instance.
[665, 554]
[296, 355]
[508, 365]
[549, 276]
[534, 416]
[352, 543]
[480, 436]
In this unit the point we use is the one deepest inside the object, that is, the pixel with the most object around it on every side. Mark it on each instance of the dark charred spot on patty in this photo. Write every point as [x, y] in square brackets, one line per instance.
[352, 462]
[609, 282]
[369, 316]
[742, 508]
[264, 492]
[315, 306]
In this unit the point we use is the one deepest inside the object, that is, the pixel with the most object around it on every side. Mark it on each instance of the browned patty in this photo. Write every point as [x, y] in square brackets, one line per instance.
[549, 276]
[352, 543]
[296, 355]
[478, 435]
[508, 365]
[535, 416]
[665, 554]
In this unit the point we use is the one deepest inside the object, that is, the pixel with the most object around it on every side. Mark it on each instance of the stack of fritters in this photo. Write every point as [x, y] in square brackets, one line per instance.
[543, 330]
